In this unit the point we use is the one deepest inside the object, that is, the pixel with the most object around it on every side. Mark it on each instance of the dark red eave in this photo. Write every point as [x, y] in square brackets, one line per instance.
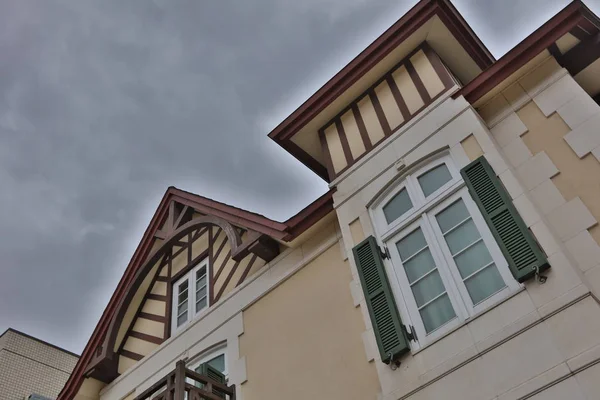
[576, 13]
[285, 231]
[368, 58]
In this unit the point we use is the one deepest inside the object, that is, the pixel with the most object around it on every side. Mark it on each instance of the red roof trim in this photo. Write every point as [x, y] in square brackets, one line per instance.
[283, 231]
[380, 48]
[569, 17]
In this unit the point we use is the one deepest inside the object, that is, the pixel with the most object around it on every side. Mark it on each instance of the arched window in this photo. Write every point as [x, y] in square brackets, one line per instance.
[445, 266]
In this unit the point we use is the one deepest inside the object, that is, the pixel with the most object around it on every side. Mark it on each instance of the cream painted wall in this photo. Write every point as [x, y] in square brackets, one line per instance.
[303, 340]
[389, 105]
[408, 90]
[367, 112]
[426, 72]
[355, 142]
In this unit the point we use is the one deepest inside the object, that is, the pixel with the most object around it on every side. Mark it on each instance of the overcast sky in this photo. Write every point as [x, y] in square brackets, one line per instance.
[105, 103]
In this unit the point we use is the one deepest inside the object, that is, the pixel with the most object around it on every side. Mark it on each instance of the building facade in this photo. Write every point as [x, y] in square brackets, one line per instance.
[456, 255]
[31, 368]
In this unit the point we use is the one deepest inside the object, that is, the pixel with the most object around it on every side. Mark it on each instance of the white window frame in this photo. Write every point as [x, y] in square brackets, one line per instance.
[209, 355]
[190, 276]
[422, 215]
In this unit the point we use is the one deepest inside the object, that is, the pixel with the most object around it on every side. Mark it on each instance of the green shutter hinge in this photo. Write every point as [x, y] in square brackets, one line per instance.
[410, 334]
[538, 276]
[384, 252]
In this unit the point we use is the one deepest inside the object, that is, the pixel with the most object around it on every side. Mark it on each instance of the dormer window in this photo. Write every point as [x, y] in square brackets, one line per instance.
[190, 296]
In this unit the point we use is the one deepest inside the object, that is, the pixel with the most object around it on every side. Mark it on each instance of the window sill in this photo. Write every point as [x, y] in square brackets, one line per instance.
[467, 321]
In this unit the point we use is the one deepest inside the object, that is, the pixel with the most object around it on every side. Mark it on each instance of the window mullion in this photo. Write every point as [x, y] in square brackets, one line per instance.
[448, 274]
[192, 295]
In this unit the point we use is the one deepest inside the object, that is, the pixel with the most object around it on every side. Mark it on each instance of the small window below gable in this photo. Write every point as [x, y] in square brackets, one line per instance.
[190, 296]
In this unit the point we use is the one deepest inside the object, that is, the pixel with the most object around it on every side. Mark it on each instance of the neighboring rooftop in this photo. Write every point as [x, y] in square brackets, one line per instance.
[31, 366]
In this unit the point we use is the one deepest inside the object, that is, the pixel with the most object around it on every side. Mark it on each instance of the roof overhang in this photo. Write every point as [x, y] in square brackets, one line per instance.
[434, 21]
[574, 21]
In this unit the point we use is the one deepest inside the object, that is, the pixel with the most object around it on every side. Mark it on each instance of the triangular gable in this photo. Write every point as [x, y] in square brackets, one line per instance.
[242, 241]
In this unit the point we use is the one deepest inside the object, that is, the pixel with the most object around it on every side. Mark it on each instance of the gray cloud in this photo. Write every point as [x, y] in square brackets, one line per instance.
[104, 104]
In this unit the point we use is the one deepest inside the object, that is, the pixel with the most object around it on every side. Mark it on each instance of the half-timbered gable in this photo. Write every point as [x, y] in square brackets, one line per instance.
[199, 252]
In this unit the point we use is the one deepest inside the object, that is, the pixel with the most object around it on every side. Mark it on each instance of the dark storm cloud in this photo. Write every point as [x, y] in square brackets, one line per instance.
[104, 104]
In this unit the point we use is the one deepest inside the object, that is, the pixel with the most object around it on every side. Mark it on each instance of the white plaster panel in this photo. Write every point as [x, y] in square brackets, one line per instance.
[584, 250]
[558, 94]
[459, 156]
[561, 278]
[504, 367]
[578, 110]
[371, 350]
[536, 170]
[516, 152]
[527, 210]
[504, 315]
[545, 238]
[570, 340]
[567, 389]
[443, 350]
[508, 129]
[545, 378]
[547, 196]
[589, 382]
[571, 219]
[356, 292]
[584, 359]
[511, 184]
[586, 137]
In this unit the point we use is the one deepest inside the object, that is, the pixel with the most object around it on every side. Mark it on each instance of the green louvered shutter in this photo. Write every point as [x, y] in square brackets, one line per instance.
[389, 331]
[516, 241]
[214, 374]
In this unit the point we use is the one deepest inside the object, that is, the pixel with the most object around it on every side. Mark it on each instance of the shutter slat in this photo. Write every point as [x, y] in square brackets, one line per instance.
[516, 241]
[388, 328]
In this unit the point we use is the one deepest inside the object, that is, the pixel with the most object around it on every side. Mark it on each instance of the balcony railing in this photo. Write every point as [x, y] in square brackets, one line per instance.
[176, 386]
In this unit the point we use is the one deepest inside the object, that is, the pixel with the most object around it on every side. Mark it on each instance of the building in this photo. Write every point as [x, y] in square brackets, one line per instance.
[456, 255]
[31, 368]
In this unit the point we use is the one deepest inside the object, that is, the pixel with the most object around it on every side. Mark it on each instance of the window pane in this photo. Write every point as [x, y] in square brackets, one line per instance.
[182, 308]
[434, 179]
[411, 244]
[218, 363]
[484, 284]
[183, 291]
[201, 292]
[452, 216]
[419, 265]
[462, 236]
[200, 304]
[428, 288]
[437, 313]
[201, 274]
[473, 259]
[470, 253]
[397, 206]
[181, 319]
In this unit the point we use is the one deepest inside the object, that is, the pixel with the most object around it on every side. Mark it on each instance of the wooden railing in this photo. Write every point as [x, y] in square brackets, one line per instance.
[175, 386]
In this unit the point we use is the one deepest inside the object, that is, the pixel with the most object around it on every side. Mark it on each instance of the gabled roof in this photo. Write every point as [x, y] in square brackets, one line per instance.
[282, 231]
[366, 60]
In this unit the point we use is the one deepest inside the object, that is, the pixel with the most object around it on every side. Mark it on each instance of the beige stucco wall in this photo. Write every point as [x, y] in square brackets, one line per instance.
[303, 340]
[29, 366]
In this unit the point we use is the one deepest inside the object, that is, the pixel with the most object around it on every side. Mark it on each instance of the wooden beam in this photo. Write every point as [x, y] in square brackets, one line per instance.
[582, 55]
